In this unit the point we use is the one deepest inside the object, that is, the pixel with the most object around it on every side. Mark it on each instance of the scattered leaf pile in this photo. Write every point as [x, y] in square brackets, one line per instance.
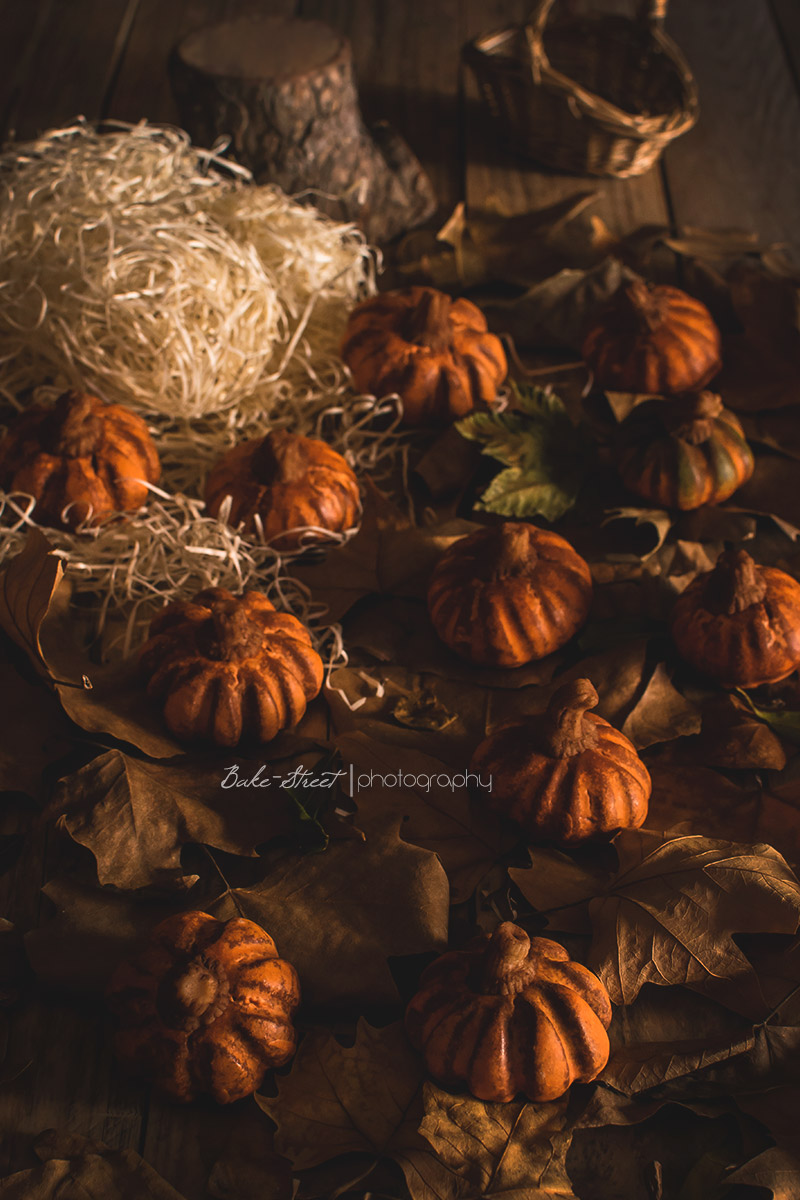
[360, 844]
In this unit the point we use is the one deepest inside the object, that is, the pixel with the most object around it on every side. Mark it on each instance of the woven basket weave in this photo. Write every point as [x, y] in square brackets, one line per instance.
[604, 97]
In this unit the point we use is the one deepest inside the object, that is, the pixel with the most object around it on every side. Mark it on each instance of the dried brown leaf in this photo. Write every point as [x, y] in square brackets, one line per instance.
[338, 916]
[75, 1168]
[27, 587]
[700, 801]
[661, 713]
[557, 311]
[135, 816]
[776, 1171]
[432, 802]
[671, 912]
[370, 1099]
[560, 888]
[93, 930]
[667, 1035]
[388, 555]
[516, 1151]
[35, 732]
[343, 1100]
[399, 630]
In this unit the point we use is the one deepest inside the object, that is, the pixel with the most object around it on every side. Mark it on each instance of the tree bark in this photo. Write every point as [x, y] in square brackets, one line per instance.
[284, 92]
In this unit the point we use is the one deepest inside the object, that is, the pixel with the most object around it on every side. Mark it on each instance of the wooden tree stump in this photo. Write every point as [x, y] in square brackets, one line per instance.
[284, 91]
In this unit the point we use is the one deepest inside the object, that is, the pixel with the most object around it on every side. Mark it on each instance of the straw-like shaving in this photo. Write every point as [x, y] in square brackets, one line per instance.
[131, 268]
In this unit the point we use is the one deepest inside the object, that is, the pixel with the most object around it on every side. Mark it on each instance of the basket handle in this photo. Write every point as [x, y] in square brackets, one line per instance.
[650, 13]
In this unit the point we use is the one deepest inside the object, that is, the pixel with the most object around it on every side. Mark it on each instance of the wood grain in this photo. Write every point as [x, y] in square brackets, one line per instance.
[740, 166]
[142, 88]
[72, 65]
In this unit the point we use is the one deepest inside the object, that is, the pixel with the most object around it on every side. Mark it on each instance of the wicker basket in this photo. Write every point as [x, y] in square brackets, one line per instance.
[604, 98]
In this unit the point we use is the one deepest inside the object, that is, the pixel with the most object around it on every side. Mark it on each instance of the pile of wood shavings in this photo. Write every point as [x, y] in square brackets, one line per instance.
[131, 266]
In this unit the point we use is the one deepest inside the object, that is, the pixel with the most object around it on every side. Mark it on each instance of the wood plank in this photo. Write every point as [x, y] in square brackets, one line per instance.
[142, 89]
[407, 65]
[497, 177]
[786, 14]
[740, 166]
[59, 1071]
[74, 61]
[23, 28]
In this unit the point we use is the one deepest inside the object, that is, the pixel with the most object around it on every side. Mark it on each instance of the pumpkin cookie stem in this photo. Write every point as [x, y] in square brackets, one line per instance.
[694, 417]
[506, 969]
[75, 430]
[735, 584]
[195, 990]
[566, 730]
[280, 456]
[429, 323]
[514, 554]
[647, 309]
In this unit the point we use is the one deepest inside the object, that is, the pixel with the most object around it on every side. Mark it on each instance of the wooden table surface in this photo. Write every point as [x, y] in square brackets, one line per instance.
[107, 58]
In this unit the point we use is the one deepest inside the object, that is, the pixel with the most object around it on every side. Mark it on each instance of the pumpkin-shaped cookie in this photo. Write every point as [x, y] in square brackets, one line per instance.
[685, 452]
[228, 668]
[82, 460]
[654, 339]
[509, 594]
[284, 482]
[565, 775]
[740, 622]
[434, 352]
[205, 1008]
[510, 1014]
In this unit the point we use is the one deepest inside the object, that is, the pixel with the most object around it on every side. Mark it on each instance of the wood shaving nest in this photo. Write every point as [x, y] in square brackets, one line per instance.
[157, 275]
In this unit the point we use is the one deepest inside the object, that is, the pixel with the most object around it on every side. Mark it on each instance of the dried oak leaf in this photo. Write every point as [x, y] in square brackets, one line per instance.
[338, 916]
[370, 1099]
[671, 912]
[136, 816]
[75, 1168]
[436, 810]
[27, 587]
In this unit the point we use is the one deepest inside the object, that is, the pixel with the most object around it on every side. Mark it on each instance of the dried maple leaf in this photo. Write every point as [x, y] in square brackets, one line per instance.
[775, 1170]
[369, 1099]
[343, 1100]
[338, 916]
[557, 311]
[388, 555]
[75, 1168]
[35, 732]
[671, 912]
[437, 813]
[93, 930]
[27, 587]
[667, 1036]
[136, 816]
[516, 1151]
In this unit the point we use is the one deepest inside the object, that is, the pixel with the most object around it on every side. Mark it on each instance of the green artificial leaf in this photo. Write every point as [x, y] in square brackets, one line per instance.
[309, 805]
[546, 456]
[785, 722]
